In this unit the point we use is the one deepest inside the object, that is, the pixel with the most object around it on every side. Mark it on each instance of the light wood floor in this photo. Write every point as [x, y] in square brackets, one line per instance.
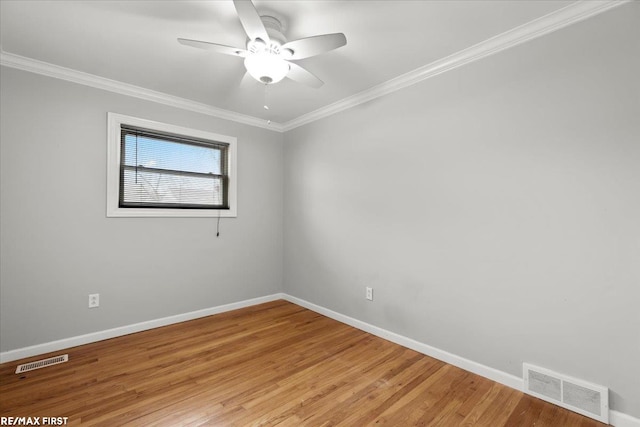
[271, 364]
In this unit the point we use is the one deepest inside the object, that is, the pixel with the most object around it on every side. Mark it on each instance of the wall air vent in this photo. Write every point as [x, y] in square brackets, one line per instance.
[31, 366]
[588, 399]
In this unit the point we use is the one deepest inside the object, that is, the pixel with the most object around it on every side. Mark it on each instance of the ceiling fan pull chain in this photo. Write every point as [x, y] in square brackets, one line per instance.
[266, 101]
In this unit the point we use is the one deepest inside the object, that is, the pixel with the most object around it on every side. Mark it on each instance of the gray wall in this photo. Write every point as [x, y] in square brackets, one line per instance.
[58, 246]
[494, 209]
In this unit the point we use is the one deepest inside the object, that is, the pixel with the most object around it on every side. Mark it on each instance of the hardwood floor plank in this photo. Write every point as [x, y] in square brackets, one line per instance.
[498, 413]
[339, 389]
[396, 389]
[273, 364]
[480, 388]
[453, 402]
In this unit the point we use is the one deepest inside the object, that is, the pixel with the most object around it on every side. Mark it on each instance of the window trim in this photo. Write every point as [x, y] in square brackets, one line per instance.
[114, 123]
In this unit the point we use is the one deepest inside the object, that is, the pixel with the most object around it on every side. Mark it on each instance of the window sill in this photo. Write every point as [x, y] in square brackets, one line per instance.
[171, 213]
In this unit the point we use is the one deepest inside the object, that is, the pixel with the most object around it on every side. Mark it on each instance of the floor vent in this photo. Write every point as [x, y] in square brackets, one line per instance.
[579, 396]
[31, 366]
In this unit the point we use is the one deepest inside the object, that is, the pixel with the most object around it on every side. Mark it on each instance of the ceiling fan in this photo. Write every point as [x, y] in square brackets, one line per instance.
[268, 55]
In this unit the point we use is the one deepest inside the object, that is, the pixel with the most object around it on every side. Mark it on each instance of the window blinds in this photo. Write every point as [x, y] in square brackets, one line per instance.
[170, 171]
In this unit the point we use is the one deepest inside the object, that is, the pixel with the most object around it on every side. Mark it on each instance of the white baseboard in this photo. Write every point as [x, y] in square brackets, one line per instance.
[48, 347]
[617, 419]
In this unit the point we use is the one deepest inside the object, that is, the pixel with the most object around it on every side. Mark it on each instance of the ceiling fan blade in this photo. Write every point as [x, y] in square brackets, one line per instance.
[300, 75]
[311, 46]
[219, 48]
[250, 20]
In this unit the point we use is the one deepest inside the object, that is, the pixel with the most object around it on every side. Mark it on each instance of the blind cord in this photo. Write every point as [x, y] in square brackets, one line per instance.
[218, 226]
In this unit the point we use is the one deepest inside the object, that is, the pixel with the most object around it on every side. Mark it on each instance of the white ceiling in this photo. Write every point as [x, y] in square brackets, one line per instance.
[135, 42]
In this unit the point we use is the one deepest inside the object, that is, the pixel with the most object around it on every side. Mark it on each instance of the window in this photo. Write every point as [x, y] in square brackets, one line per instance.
[162, 171]
[157, 169]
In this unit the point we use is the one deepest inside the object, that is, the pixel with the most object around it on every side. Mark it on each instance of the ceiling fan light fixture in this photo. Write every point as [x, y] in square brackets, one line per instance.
[268, 52]
[266, 68]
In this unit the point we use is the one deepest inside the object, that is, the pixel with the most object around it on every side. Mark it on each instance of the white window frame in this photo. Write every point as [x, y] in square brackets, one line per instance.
[114, 123]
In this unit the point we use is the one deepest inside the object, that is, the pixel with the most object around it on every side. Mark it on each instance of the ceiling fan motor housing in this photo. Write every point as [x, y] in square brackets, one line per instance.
[275, 28]
[266, 62]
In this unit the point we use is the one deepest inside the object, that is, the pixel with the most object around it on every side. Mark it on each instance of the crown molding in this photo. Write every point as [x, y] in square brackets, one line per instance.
[44, 68]
[549, 23]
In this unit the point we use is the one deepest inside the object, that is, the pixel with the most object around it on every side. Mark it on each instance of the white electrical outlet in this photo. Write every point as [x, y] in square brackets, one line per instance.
[369, 293]
[94, 300]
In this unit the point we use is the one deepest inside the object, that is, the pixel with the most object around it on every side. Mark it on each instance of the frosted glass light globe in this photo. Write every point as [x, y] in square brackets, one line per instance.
[266, 68]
